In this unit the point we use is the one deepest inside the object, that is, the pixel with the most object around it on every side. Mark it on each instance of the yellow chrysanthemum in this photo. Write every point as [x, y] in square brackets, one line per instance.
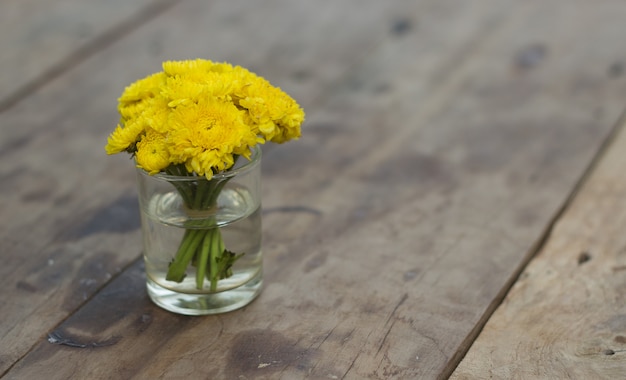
[184, 89]
[129, 111]
[152, 154]
[124, 138]
[206, 134]
[174, 68]
[289, 124]
[156, 114]
[277, 115]
[116, 142]
[142, 89]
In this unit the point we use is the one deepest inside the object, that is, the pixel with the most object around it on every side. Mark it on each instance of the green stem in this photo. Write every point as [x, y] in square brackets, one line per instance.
[186, 192]
[216, 245]
[214, 191]
[202, 244]
[186, 252]
[201, 189]
[204, 258]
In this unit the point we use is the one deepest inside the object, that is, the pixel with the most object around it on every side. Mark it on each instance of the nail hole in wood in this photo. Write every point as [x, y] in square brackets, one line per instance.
[616, 69]
[401, 26]
[583, 258]
[531, 56]
[609, 352]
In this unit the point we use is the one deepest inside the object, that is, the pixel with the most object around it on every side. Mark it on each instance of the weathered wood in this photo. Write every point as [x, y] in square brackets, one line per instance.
[566, 316]
[41, 39]
[442, 137]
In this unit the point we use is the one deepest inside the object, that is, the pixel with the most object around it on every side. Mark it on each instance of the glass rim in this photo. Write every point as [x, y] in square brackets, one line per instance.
[255, 158]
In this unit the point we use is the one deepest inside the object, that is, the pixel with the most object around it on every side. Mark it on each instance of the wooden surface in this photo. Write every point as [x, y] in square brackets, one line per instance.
[443, 141]
[566, 315]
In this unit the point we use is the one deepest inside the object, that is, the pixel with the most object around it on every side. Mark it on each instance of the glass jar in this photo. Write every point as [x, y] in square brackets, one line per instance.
[202, 238]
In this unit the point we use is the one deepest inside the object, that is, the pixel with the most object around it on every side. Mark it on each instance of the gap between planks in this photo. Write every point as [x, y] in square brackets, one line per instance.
[110, 36]
[464, 347]
[71, 313]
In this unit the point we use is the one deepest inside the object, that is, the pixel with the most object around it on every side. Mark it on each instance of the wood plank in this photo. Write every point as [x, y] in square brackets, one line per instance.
[41, 39]
[566, 314]
[404, 250]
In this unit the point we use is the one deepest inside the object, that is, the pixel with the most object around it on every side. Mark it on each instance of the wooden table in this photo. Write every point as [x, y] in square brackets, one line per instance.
[456, 206]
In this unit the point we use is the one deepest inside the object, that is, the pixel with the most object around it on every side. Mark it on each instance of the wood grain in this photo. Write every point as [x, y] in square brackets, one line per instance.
[43, 39]
[442, 138]
[566, 316]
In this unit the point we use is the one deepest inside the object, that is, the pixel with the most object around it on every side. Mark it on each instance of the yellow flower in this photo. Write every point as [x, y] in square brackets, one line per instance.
[142, 89]
[205, 135]
[187, 89]
[152, 154]
[124, 138]
[155, 114]
[289, 124]
[174, 68]
[277, 115]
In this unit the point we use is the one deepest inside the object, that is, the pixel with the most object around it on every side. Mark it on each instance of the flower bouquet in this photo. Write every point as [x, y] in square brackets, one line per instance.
[197, 119]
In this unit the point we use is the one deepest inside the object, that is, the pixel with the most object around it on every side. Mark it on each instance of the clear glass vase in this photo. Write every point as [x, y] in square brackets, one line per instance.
[202, 238]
